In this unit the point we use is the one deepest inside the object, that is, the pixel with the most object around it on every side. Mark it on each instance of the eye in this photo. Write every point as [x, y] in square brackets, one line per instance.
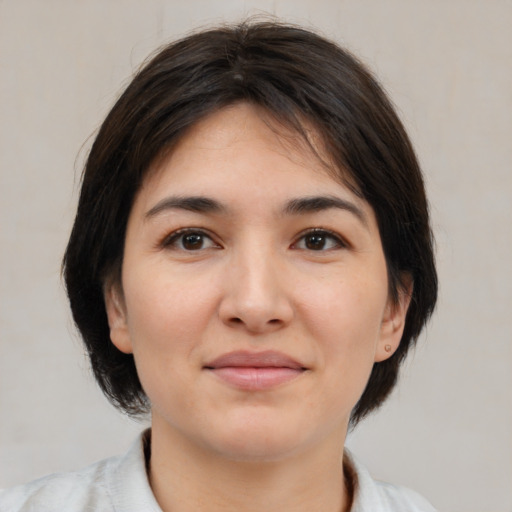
[189, 240]
[319, 240]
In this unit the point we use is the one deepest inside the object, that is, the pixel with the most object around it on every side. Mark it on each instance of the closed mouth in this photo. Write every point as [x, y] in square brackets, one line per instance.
[255, 371]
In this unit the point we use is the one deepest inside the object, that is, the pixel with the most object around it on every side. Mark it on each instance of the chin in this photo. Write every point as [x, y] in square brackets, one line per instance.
[257, 449]
[257, 440]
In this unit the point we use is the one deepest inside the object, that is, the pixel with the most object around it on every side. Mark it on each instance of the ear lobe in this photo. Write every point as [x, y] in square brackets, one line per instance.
[393, 322]
[117, 318]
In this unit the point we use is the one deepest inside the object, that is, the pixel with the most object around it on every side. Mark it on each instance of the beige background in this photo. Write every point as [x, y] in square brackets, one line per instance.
[447, 64]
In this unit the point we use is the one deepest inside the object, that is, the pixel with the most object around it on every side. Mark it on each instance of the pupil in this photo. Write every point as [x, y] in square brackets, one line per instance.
[315, 242]
[194, 241]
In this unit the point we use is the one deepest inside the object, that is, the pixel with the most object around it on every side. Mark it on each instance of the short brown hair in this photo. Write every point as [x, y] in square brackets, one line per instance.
[297, 77]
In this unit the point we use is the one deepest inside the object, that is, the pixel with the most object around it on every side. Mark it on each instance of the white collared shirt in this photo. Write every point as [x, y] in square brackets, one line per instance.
[120, 484]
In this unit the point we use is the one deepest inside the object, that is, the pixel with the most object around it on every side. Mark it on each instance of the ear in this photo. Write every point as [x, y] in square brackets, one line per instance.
[117, 318]
[393, 322]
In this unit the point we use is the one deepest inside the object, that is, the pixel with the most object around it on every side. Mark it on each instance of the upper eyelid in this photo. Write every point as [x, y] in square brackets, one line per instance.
[183, 231]
[170, 237]
[334, 234]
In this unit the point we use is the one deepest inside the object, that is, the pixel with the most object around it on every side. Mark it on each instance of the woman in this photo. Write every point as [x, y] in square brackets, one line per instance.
[251, 261]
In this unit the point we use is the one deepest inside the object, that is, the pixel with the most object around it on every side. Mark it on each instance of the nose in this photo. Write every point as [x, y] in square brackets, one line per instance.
[255, 294]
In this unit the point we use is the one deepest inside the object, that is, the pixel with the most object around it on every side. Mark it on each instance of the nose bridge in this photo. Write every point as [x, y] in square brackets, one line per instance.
[256, 294]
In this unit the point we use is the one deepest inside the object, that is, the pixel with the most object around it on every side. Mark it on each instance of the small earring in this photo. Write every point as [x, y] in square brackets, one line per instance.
[387, 348]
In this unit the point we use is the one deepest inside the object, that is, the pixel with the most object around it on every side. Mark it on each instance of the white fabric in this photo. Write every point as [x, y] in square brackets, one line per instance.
[120, 484]
[375, 496]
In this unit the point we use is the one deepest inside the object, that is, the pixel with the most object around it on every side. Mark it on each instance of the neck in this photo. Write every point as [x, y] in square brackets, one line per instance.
[185, 478]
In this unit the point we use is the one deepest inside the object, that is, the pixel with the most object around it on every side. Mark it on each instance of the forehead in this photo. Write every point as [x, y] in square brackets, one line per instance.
[240, 135]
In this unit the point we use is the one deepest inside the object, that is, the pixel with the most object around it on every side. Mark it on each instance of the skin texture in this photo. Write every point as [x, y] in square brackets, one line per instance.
[250, 276]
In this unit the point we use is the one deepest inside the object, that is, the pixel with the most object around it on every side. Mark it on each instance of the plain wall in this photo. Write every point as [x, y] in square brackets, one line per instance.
[447, 65]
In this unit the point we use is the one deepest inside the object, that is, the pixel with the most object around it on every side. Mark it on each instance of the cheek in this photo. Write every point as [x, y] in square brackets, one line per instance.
[167, 319]
[345, 319]
[352, 305]
[166, 315]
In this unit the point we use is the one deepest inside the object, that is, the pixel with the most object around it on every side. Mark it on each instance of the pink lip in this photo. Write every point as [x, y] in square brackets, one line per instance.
[255, 371]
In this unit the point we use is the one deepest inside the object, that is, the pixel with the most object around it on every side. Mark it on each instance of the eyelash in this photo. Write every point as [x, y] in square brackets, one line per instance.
[172, 240]
[339, 243]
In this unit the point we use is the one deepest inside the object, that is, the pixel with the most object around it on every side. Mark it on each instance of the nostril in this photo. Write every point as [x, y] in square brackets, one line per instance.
[237, 320]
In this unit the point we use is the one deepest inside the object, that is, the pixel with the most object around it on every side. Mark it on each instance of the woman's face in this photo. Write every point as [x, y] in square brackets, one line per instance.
[254, 292]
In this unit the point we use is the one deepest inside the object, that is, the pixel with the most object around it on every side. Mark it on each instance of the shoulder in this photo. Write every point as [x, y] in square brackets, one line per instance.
[87, 489]
[374, 496]
[117, 483]
[401, 498]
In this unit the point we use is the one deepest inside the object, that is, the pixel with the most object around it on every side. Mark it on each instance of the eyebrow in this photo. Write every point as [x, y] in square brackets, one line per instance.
[198, 204]
[298, 206]
[314, 204]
